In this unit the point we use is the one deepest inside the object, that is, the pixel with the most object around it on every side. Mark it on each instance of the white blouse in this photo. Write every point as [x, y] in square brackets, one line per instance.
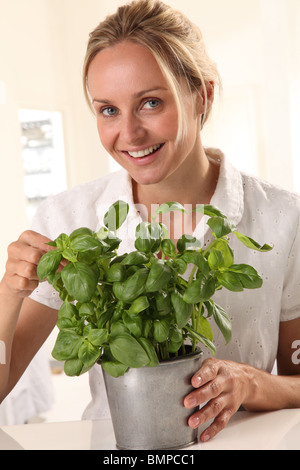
[260, 210]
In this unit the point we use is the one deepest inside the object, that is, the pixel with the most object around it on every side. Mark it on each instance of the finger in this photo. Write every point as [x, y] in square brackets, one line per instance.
[205, 393]
[208, 411]
[208, 371]
[21, 286]
[218, 424]
[36, 240]
[23, 269]
[20, 251]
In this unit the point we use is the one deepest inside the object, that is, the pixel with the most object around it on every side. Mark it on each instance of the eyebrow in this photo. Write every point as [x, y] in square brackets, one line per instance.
[135, 95]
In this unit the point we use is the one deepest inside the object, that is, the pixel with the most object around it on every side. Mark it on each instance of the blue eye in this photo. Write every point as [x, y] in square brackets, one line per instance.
[150, 104]
[109, 111]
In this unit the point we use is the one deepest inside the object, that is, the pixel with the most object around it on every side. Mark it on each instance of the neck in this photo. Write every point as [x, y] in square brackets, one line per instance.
[194, 184]
[190, 185]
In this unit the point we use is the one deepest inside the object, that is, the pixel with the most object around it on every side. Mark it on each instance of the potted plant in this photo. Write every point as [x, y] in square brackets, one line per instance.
[137, 312]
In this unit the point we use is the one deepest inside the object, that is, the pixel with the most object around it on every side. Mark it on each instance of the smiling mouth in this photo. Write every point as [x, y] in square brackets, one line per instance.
[145, 152]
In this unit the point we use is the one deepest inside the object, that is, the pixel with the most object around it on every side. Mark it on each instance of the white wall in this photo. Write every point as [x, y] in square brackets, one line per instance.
[255, 43]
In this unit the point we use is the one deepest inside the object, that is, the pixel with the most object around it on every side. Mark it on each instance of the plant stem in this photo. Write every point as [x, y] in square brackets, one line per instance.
[198, 317]
[192, 274]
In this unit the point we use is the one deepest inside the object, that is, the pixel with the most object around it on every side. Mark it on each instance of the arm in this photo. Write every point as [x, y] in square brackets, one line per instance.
[24, 324]
[226, 385]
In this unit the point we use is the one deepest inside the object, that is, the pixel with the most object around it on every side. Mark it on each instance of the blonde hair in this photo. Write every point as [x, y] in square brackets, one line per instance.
[175, 42]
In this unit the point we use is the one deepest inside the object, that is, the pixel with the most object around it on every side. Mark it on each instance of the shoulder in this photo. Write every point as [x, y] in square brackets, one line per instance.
[270, 211]
[89, 191]
[78, 206]
[259, 192]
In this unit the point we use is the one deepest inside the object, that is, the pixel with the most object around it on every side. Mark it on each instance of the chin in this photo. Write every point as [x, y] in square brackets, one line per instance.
[147, 180]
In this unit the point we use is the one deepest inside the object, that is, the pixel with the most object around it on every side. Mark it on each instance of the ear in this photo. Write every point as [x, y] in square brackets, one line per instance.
[203, 96]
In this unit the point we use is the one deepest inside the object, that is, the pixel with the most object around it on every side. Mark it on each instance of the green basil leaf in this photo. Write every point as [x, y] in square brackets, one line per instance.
[247, 275]
[134, 325]
[148, 237]
[116, 272]
[62, 241]
[111, 242]
[179, 264]
[201, 339]
[220, 226]
[209, 210]
[67, 345]
[73, 367]
[86, 309]
[223, 246]
[135, 258]
[138, 305]
[116, 215]
[88, 354]
[223, 321]
[150, 350]
[133, 287]
[69, 255]
[215, 259]
[81, 231]
[48, 264]
[80, 280]
[199, 290]
[250, 243]
[111, 365]
[98, 337]
[159, 275]
[204, 328]
[175, 334]
[84, 242]
[198, 260]
[168, 248]
[67, 310]
[174, 346]
[103, 316]
[163, 304]
[187, 242]
[161, 330]
[127, 350]
[169, 207]
[183, 311]
[53, 243]
[117, 329]
[230, 280]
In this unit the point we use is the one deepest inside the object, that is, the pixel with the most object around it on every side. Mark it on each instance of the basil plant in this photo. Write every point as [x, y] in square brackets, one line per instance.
[137, 309]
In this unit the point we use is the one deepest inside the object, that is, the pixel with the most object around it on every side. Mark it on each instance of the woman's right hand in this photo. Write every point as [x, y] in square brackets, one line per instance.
[20, 278]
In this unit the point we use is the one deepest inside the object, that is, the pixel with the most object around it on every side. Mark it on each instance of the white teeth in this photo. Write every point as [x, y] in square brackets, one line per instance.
[145, 152]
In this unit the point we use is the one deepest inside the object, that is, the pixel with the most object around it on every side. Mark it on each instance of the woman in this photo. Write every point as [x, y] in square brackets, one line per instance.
[151, 85]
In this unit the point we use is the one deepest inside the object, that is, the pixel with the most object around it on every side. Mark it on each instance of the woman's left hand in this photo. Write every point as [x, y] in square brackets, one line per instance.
[223, 386]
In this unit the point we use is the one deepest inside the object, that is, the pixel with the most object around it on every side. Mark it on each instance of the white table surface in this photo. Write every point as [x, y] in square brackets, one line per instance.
[276, 430]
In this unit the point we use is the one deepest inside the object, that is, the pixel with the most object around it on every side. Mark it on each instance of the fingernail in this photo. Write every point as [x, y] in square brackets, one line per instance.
[205, 437]
[191, 402]
[195, 421]
[197, 381]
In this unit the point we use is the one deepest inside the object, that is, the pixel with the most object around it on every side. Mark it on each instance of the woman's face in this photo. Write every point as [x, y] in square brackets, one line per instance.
[137, 114]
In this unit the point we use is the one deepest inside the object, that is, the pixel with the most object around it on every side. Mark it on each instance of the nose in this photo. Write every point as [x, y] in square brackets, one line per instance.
[132, 130]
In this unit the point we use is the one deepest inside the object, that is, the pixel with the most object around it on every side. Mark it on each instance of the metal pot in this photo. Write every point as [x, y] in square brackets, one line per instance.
[146, 405]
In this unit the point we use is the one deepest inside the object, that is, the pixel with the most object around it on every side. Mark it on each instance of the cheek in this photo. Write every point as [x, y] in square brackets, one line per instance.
[166, 126]
[104, 135]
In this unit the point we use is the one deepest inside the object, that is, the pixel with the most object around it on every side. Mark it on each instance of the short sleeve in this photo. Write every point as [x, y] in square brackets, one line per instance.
[290, 307]
[43, 224]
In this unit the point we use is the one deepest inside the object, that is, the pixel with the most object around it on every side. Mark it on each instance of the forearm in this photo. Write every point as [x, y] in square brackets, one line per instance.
[10, 307]
[271, 392]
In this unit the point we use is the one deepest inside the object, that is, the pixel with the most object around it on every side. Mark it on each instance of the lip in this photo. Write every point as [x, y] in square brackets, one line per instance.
[140, 161]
